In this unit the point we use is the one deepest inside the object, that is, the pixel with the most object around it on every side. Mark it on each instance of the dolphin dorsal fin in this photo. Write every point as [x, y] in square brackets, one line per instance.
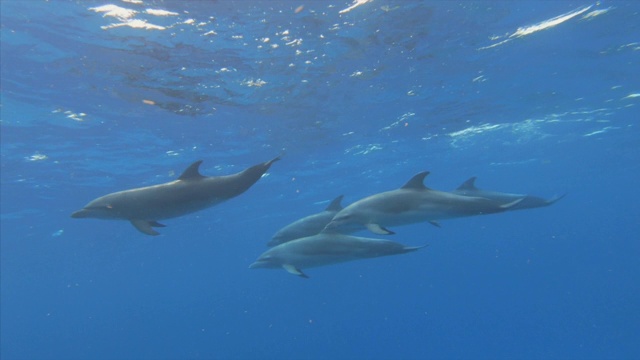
[335, 204]
[470, 184]
[417, 182]
[192, 172]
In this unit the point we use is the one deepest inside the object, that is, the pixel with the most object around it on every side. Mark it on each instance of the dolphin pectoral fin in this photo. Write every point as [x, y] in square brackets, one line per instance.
[508, 205]
[435, 223]
[377, 229]
[156, 224]
[145, 226]
[294, 270]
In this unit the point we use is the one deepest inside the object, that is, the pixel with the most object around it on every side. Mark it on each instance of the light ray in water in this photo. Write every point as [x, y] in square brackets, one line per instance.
[543, 25]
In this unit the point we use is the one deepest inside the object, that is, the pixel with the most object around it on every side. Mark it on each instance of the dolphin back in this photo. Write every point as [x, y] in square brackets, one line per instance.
[307, 226]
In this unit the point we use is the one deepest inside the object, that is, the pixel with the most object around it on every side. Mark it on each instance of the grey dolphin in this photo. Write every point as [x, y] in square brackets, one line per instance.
[410, 204]
[468, 188]
[307, 226]
[189, 193]
[325, 248]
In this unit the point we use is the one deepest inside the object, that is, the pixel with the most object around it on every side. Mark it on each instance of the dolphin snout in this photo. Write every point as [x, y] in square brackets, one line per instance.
[79, 214]
[263, 263]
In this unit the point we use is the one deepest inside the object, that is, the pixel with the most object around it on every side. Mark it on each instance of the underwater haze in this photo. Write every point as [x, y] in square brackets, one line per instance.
[531, 97]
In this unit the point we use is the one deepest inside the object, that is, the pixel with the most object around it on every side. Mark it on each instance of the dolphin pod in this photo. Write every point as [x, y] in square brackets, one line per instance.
[191, 192]
[315, 240]
[411, 203]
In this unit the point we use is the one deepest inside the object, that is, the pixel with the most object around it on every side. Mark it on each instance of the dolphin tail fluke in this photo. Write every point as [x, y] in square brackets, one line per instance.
[377, 229]
[145, 226]
[268, 163]
[507, 206]
[294, 270]
[555, 198]
[413, 248]
[435, 223]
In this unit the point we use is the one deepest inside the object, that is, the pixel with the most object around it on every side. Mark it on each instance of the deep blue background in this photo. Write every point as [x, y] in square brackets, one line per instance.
[357, 103]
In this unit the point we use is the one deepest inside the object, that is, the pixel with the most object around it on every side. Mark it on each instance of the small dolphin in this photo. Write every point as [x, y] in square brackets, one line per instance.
[307, 226]
[468, 188]
[412, 203]
[325, 248]
[189, 193]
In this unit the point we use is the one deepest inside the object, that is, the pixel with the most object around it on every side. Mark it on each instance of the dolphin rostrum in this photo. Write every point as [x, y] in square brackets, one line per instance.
[307, 226]
[191, 192]
[410, 204]
[468, 188]
[326, 248]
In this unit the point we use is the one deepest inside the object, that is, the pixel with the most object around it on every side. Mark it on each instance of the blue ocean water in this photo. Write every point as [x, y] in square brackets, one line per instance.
[537, 97]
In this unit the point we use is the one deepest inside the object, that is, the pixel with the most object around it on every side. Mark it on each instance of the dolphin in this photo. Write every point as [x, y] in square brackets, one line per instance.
[468, 188]
[191, 192]
[307, 226]
[325, 248]
[410, 204]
